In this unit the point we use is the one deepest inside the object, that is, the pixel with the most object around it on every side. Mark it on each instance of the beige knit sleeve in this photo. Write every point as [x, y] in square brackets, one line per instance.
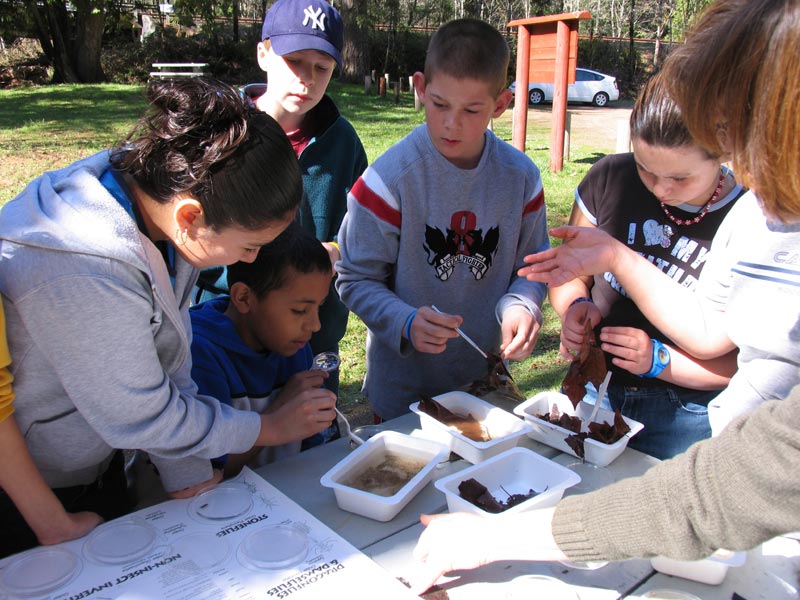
[733, 491]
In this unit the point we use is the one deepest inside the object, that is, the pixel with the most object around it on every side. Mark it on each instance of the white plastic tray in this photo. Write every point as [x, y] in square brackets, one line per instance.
[371, 453]
[555, 436]
[515, 471]
[504, 428]
[711, 570]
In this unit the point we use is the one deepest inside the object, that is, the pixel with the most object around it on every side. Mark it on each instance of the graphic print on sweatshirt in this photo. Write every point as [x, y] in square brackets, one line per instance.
[462, 242]
[683, 262]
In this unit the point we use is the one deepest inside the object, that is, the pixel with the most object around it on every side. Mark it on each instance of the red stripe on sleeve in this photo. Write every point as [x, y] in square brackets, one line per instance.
[375, 204]
[535, 204]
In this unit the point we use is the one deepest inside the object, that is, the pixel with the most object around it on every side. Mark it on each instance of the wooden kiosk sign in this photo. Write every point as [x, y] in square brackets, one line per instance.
[547, 50]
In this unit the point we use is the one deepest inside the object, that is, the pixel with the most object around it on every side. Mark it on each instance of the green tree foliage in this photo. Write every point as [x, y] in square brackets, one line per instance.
[388, 36]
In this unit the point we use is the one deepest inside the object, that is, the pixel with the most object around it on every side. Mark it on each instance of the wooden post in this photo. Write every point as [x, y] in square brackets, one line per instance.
[520, 118]
[623, 136]
[553, 58]
[386, 77]
[374, 74]
[396, 87]
[410, 83]
[559, 98]
[382, 87]
[367, 83]
[567, 133]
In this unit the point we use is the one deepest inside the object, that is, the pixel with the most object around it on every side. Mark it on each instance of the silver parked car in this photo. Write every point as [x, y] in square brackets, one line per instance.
[589, 86]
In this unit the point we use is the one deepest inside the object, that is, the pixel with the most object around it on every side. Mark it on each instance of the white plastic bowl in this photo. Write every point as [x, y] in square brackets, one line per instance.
[372, 453]
[555, 436]
[515, 471]
[711, 570]
[504, 428]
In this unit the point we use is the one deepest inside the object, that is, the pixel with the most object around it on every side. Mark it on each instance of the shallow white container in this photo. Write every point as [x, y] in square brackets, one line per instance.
[597, 453]
[711, 570]
[515, 471]
[505, 429]
[371, 453]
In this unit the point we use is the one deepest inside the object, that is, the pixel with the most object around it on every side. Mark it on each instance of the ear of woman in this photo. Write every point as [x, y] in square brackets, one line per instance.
[188, 216]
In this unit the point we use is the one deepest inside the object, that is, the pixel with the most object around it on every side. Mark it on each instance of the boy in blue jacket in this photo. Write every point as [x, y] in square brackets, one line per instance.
[251, 349]
[300, 47]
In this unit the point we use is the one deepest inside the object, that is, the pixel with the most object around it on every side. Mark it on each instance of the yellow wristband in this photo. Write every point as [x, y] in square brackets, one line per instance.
[335, 245]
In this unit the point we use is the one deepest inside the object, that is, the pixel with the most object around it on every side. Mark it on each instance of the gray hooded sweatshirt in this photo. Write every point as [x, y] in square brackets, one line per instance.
[99, 338]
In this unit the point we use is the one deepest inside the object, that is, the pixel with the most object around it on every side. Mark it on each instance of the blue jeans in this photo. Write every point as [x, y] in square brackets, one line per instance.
[673, 419]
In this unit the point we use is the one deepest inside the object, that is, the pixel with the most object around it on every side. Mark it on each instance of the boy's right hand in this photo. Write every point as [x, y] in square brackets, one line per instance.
[301, 409]
[430, 330]
[297, 384]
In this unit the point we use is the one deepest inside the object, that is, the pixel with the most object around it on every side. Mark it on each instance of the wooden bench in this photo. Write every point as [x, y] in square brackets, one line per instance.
[170, 70]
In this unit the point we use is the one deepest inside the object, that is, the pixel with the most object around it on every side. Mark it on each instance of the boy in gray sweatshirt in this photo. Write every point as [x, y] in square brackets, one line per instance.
[444, 218]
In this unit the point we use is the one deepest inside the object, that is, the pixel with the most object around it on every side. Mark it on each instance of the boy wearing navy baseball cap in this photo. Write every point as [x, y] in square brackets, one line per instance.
[300, 48]
[291, 26]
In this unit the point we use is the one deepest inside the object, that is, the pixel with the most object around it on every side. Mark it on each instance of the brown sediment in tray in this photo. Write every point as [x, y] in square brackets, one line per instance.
[600, 432]
[387, 477]
[564, 420]
[496, 381]
[468, 426]
[475, 492]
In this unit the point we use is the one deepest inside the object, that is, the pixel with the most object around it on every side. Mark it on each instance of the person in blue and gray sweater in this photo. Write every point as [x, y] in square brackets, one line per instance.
[445, 218]
[97, 265]
[251, 349]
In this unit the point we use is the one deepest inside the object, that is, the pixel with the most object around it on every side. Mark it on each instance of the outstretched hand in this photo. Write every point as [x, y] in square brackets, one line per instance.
[585, 251]
[449, 542]
[466, 540]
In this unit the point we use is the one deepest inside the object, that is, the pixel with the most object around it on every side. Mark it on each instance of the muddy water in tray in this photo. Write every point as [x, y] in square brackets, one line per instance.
[388, 476]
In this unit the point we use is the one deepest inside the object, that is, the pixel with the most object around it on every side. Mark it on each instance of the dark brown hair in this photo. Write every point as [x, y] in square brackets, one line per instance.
[295, 248]
[657, 120]
[736, 82]
[468, 49]
[199, 138]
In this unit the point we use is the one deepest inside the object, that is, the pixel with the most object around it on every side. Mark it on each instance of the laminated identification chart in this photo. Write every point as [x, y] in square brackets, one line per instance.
[241, 540]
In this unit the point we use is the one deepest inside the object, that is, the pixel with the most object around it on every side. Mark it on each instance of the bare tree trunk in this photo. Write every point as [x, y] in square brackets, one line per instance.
[355, 53]
[72, 44]
[63, 71]
[89, 21]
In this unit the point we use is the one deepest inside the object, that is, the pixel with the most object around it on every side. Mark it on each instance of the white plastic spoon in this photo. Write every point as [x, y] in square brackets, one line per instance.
[350, 433]
[600, 395]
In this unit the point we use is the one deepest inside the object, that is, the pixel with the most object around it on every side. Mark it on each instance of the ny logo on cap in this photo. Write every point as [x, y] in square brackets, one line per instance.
[317, 18]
